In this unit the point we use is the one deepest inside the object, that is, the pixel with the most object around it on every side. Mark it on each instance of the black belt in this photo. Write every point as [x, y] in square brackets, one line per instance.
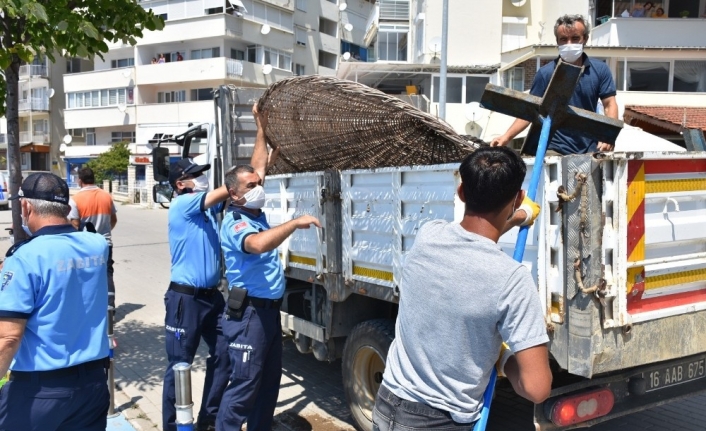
[265, 303]
[190, 290]
[62, 372]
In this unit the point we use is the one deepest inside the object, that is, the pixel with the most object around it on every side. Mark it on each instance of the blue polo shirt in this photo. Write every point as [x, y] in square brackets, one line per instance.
[58, 281]
[595, 83]
[193, 241]
[261, 274]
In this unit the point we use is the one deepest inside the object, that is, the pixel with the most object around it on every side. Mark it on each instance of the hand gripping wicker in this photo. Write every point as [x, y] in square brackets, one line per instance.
[324, 123]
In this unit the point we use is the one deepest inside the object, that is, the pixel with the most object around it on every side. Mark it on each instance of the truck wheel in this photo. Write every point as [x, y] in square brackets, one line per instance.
[364, 358]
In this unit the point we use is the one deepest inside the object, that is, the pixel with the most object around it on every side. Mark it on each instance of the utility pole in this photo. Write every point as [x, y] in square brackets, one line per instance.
[444, 58]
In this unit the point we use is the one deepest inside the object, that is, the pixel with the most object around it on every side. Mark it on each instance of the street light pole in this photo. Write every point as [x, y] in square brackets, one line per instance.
[444, 51]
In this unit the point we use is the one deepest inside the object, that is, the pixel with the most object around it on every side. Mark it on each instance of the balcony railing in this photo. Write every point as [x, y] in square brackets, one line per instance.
[34, 104]
[234, 67]
[36, 138]
[33, 70]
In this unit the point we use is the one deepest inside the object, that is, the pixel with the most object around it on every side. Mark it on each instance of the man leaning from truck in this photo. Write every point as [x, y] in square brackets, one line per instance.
[460, 297]
[251, 322]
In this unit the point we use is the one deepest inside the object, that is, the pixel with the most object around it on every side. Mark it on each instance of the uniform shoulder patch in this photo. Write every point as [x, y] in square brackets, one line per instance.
[240, 226]
[6, 279]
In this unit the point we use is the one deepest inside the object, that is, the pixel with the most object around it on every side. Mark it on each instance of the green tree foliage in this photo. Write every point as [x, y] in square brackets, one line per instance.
[72, 28]
[111, 163]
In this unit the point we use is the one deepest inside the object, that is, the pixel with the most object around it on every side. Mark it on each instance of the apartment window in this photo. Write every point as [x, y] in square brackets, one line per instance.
[197, 54]
[391, 44]
[460, 89]
[643, 76]
[95, 98]
[299, 69]
[122, 62]
[328, 27]
[201, 94]
[515, 78]
[394, 10]
[301, 5]
[357, 52]
[689, 76]
[326, 59]
[76, 133]
[300, 36]
[91, 136]
[237, 54]
[266, 14]
[116, 137]
[252, 54]
[214, 10]
[171, 96]
[73, 65]
[277, 58]
[163, 16]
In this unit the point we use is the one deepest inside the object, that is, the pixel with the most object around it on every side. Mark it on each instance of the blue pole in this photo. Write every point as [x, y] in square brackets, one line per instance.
[517, 255]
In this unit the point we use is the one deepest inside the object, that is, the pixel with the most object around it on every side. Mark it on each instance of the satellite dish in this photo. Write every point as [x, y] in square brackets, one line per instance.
[67, 139]
[51, 93]
[122, 107]
[474, 112]
[348, 26]
[346, 56]
[518, 3]
[63, 147]
[474, 129]
[265, 29]
[342, 6]
[267, 69]
[435, 44]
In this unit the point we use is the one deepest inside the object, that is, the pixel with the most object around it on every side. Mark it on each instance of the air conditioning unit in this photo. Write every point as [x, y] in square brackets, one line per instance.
[301, 43]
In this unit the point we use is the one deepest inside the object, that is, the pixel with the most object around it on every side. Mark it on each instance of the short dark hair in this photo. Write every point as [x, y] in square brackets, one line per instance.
[231, 178]
[491, 177]
[569, 21]
[86, 176]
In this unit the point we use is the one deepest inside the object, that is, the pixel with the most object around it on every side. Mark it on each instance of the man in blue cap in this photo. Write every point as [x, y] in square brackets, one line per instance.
[53, 319]
[193, 302]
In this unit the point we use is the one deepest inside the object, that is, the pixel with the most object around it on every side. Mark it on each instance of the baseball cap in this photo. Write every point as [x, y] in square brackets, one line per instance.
[183, 168]
[44, 186]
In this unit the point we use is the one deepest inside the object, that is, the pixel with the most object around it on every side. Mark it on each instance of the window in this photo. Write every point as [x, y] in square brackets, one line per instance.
[301, 5]
[326, 59]
[266, 14]
[300, 36]
[391, 44]
[328, 27]
[122, 62]
[197, 54]
[163, 16]
[237, 54]
[299, 69]
[460, 89]
[73, 65]
[90, 136]
[394, 10]
[689, 76]
[95, 98]
[201, 94]
[643, 76]
[357, 52]
[214, 10]
[252, 54]
[76, 133]
[116, 137]
[171, 96]
[277, 58]
[515, 78]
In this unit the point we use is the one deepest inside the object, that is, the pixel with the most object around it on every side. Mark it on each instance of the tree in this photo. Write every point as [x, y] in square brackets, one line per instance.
[75, 28]
[111, 163]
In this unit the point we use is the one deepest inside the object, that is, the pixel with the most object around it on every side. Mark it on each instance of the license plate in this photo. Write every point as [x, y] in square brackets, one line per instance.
[676, 374]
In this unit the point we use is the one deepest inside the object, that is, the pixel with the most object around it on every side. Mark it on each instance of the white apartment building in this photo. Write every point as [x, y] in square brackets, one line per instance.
[655, 62]
[165, 82]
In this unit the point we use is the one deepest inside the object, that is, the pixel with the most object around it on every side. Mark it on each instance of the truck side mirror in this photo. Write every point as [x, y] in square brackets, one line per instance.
[160, 164]
[162, 193]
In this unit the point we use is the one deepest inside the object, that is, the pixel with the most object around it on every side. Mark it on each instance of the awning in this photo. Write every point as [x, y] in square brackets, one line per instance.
[34, 148]
[239, 4]
[672, 118]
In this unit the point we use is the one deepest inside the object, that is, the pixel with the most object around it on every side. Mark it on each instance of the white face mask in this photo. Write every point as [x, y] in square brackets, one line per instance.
[255, 198]
[200, 183]
[570, 52]
[25, 227]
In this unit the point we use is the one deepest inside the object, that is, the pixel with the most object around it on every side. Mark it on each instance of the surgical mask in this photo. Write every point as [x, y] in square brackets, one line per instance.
[255, 198]
[200, 183]
[570, 52]
[25, 227]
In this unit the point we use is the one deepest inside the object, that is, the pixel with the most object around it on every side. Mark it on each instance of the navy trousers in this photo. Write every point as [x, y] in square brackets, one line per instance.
[255, 348]
[68, 403]
[190, 318]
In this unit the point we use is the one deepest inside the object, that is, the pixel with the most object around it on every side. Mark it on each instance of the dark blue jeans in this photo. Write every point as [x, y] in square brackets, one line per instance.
[255, 347]
[394, 413]
[190, 318]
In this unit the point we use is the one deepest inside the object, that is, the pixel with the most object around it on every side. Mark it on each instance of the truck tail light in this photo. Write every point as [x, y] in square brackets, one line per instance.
[583, 407]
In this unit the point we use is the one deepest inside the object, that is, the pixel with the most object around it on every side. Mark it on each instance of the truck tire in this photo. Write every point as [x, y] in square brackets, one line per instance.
[364, 356]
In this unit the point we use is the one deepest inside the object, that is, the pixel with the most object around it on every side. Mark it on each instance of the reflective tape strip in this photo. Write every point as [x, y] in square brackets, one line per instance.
[372, 273]
[674, 166]
[675, 278]
[303, 260]
[636, 211]
[680, 185]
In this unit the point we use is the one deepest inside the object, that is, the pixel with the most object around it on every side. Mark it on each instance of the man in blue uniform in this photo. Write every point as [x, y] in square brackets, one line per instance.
[596, 83]
[193, 302]
[53, 319]
[256, 285]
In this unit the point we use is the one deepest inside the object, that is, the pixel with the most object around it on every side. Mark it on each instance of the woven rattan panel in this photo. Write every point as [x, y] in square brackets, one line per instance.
[327, 123]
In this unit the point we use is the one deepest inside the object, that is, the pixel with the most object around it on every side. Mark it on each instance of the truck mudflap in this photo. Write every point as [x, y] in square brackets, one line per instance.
[599, 399]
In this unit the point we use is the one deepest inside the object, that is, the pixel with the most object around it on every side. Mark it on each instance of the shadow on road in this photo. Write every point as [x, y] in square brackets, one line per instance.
[123, 310]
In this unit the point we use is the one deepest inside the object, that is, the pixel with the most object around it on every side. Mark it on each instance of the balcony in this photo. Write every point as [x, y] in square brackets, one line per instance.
[104, 116]
[649, 33]
[330, 43]
[28, 70]
[34, 104]
[34, 138]
[99, 79]
[180, 112]
[210, 69]
[218, 25]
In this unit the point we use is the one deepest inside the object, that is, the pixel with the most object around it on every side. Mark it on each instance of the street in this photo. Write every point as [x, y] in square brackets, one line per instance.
[311, 395]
